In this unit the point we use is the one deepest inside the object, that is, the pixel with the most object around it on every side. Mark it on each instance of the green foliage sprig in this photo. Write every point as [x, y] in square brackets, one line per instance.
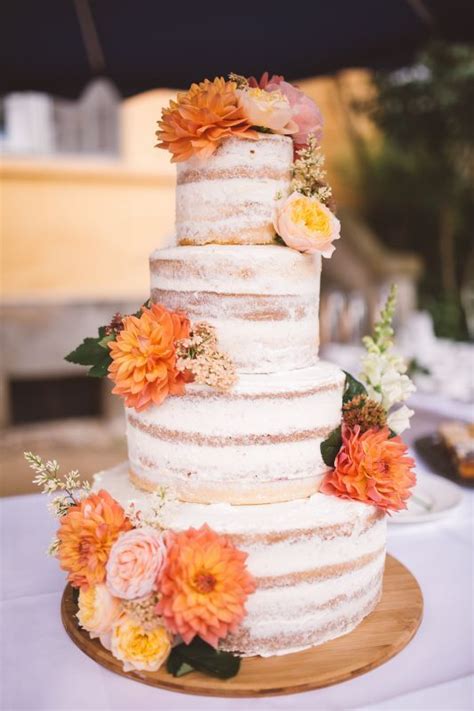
[200, 656]
[332, 444]
[95, 351]
[382, 339]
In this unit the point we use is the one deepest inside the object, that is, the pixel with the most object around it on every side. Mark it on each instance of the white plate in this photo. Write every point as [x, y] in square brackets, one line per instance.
[433, 498]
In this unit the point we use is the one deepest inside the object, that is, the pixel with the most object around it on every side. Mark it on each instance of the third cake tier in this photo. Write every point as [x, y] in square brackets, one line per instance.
[258, 443]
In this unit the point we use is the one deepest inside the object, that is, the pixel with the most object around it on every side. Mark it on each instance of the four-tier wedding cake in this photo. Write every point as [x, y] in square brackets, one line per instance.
[258, 475]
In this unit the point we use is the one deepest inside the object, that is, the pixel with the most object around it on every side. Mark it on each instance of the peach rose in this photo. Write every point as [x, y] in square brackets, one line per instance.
[98, 610]
[307, 225]
[134, 563]
[265, 109]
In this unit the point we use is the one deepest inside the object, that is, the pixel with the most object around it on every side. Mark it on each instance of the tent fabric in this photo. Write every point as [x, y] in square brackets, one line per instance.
[58, 45]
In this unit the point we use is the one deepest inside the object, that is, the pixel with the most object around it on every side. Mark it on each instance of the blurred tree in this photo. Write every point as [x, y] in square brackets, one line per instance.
[417, 187]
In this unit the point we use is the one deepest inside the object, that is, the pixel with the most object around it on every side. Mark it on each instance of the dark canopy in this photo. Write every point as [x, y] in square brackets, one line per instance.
[58, 45]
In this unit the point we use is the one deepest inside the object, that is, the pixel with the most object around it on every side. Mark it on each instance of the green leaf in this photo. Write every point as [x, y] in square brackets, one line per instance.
[101, 368]
[88, 353]
[331, 446]
[94, 352]
[200, 656]
[184, 669]
[352, 388]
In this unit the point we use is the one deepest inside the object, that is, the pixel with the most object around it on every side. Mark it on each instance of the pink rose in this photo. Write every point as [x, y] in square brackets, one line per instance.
[305, 113]
[265, 109]
[98, 610]
[264, 80]
[135, 560]
[307, 225]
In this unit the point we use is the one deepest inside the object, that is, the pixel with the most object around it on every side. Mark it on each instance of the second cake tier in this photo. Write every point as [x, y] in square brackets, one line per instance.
[258, 443]
[262, 300]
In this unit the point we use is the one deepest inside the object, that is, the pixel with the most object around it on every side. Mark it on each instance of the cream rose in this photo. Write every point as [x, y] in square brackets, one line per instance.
[134, 563]
[270, 110]
[98, 610]
[307, 225]
[139, 647]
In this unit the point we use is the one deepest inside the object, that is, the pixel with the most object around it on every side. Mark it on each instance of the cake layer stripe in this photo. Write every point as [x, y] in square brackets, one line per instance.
[206, 394]
[169, 435]
[209, 212]
[325, 572]
[325, 533]
[247, 644]
[357, 590]
[253, 307]
[226, 235]
[237, 171]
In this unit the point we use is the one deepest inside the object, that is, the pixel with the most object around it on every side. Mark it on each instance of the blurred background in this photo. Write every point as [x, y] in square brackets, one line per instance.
[86, 197]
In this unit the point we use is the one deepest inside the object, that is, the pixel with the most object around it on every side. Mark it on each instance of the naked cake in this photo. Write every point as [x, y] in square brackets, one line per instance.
[250, 515]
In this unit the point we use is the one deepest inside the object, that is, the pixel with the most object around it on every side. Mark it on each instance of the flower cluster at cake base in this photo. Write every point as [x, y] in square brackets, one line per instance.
[148, 594]
[368, 459]
[153, 353]
[199, 120]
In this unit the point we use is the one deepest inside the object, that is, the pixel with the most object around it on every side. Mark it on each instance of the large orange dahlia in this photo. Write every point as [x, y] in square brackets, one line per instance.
[203, 586]
[86, 535]
[201, 118]
[371, 467]
[143, 364]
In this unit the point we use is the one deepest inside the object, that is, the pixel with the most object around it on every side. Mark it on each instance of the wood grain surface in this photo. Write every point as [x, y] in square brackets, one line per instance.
[384, 633]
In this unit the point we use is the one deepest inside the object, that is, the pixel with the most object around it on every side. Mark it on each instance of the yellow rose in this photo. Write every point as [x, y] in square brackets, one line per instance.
[137, 647]
[98, 610]
[307, 225]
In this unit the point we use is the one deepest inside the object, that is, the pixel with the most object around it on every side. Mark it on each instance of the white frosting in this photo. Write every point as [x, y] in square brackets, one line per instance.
[263, 300]
[230, 196]
[334, 604]
[267, 430]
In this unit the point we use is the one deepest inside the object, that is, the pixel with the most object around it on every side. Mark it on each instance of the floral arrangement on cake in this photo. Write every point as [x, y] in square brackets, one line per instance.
[148, 594]
[196, 123]
[368, 459]
[153, 353]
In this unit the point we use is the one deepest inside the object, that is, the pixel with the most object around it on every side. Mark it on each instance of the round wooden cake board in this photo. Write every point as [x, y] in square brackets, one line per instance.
[384, 633]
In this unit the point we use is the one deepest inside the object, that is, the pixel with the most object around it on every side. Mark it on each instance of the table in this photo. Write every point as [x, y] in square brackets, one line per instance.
[43, 670]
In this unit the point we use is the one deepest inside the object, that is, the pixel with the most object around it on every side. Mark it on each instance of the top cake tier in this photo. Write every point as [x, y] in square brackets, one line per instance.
[229, 198]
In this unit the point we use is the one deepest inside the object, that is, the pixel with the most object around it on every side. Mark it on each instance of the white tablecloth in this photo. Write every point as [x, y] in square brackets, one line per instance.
[42, 669]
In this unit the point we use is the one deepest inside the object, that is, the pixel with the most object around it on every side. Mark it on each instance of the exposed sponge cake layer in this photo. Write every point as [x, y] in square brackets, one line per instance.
[263, 300]
[229, 198]
[318, 562]
[258, 443]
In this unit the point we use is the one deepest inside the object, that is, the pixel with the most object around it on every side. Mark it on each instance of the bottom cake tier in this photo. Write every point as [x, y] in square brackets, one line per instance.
[318, 562]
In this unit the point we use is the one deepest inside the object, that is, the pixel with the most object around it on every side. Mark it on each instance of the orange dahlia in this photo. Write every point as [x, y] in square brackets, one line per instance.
[371, 467]
[86, 535]
[143, 355]
[203, 586]
[201, 118]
